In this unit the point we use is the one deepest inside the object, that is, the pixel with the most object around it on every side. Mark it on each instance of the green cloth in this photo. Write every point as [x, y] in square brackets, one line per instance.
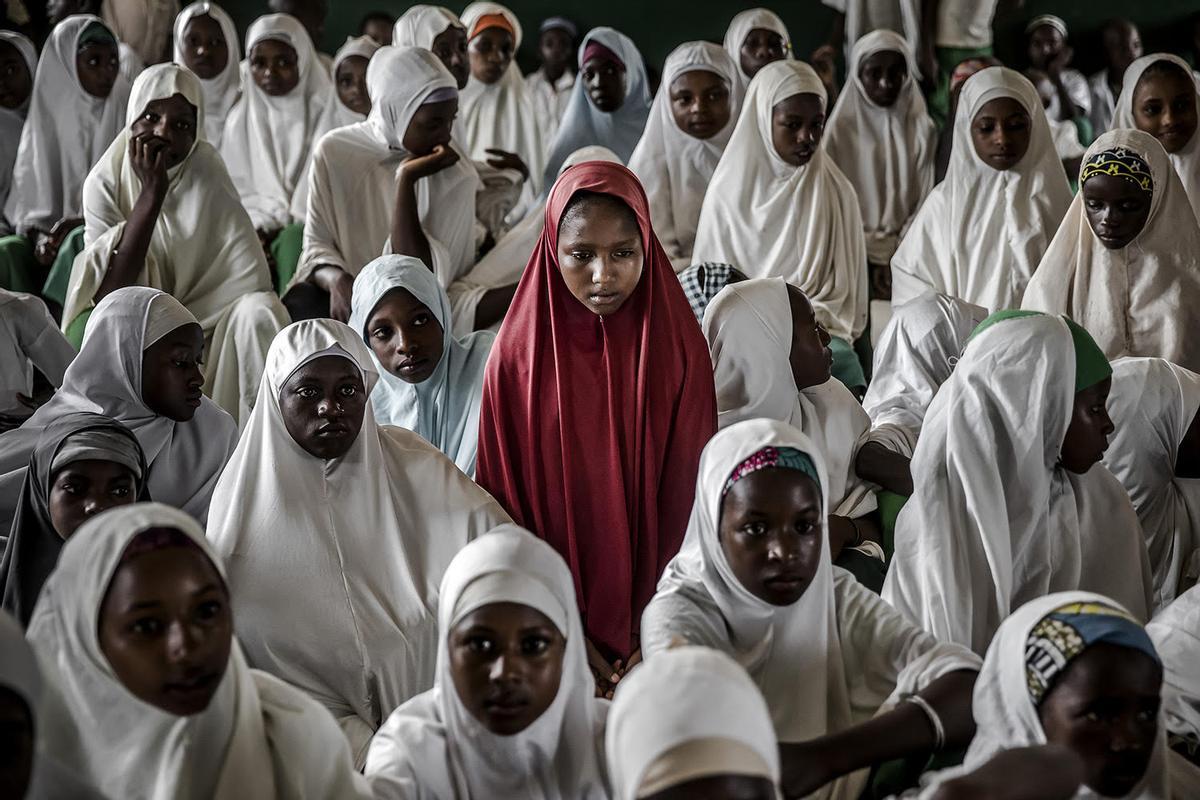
[948, 58]
[18, 267]
[846, 366]
[59, 278]
[285, 250]
[1091, 365]
[890, 504]
[94, 33]
[77, 327]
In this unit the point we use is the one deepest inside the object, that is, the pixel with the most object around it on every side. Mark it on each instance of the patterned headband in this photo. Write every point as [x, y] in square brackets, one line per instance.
[768, 457]
[1120, 162]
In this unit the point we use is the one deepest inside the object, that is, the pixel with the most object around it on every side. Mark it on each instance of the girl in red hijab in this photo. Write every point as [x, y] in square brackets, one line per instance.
[597, 400]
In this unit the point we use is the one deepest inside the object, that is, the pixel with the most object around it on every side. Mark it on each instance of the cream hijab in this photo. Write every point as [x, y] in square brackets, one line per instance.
[816, 240]
[433, 747]
[886, 153]
[674, 166]
[995, 521]
[12, 120]
[1176, 635]
[739, 28]
[220, 93]
[363, 47]
[65, 132]
[268, 140]
[1152, 404]
[421, 24]
[982, 232]
[1141, 300]
[1187, 160]
[367, 536]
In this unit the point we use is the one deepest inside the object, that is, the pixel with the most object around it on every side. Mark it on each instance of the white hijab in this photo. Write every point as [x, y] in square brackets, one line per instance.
[674, 166]
[268, 140]
[886, 153]
[356, 544]
[184, 458]
[982, 232]
[12, 120]
[257, 737]
[444, 408]
[1176, 635]
[661, 734]
[1187, 160]
[583, 124]
[363, 47]
[433, 747]
[1152, 404]
[816, 231]
[748, 326]
[66, 131]
[995, 521]
[421, 24]
[913, 358]
[739, 28]
[220, 93]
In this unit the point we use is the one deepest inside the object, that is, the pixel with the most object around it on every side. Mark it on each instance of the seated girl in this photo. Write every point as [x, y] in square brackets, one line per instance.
[1010, 500]
[29, 341]
[430, 381]
[83, 464]
[848, 681]
[1125, 263]
[550, 85]
[664, 745]
[161, 212]
[349, 72]
[690, 123]
[755, 38]
[512, 711]
[982, 231]
[206, 42]
[1176, 635]
[137, 625]
[365, 517]
[18, 59]
[775, 176]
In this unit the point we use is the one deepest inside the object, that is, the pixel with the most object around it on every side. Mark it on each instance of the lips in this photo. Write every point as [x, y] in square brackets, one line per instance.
[192, 688]
[506, 705]
[411, 366]
[603, 299]
[784, 580]
[193, 399]
[333, 429]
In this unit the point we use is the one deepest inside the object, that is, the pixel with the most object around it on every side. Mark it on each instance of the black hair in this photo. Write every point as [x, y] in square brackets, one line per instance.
[583, 201]
[374, 16]
[157, 538]
[1164, 67]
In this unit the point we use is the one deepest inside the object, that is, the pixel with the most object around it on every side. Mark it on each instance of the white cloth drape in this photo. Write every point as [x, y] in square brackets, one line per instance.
[739, 28]
[863, 17]
[1176, 635]
[12, 120]
[549, 100]
[421, 24]
[220, 93]
[142, 25]
[28, 338]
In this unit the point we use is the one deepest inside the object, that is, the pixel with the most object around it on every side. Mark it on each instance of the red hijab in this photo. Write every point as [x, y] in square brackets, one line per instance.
[591, 427]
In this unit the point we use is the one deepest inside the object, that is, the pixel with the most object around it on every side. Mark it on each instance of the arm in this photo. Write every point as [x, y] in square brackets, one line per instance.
[408, 237]
[149, 162]
[1068, 109]
[1048, 772]
[837, 32]
[881, 466]
[340, 285]
[493, 306]
[926, 47]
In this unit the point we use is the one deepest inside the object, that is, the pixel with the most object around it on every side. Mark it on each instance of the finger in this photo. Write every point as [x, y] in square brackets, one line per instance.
[634, 660]
[600, 663]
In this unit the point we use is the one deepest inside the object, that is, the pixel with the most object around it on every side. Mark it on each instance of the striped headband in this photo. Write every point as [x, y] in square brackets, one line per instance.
[1119, 162]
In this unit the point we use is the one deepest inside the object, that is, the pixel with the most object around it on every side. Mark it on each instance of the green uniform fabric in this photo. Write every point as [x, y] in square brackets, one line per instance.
[59, 278]
[18, 267]
[846, 366]
[949, 58]
[285, 251]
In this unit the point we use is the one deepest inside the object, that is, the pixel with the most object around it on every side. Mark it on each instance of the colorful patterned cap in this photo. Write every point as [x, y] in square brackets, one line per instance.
[773, 457]
[1119, 162]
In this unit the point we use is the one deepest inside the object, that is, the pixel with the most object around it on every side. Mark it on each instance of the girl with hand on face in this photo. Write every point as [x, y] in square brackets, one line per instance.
[756, 37]
[206, 42]
[597, 400]
[1010, 500]
[137, 623]
[365, 517]
[1125, 263]
[836, 664]
[18, 62]
[690, 123]
[349, 71]
[511, 712]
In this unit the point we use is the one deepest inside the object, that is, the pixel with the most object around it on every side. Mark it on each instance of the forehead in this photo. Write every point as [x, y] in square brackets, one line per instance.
[176, 104]
[397, 299]
[1109, 187]
[95, 468]
[272, 48]
[802, 309]
[355, 64]
[884, 59]
[1165, 81]
[506, 615]
[1046, 34]
[1002, 108]
[773, 486]
[163, 572]
[206, 25]
[697, 80]
[597, 63]
[494, 35]
[190, 335]
[805, 104]
[763, 34]
[602, 215]
[326, 368]
[97, 49]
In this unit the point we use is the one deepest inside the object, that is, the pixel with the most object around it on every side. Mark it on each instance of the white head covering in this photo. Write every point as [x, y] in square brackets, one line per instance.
[583, 124]
[12, 120]
[268, 140]
[421, 24]
[444, 408]
[675, 167]
[433, 747]
[1176, 635]
[1152, 404]
[740, 27]
[816, 239]
[363, 47]
[106, 378]
[66, 131]
[688, 698]
[1187, 160]
[981, 233]
[1141, 300]
[886, 153]
[914, 356]
[221, 92]
[995, 520]
[366, 535]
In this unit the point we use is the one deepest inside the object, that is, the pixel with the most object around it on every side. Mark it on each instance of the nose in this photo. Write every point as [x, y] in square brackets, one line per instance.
[603, 272]
[503, 669]
[201, 50]
[329, 407]
[94, 504]
[782, 548]
[181, 642]
[1108, 426]
[405, 343]
[1126, 735]
[195, 377]
[823, 335]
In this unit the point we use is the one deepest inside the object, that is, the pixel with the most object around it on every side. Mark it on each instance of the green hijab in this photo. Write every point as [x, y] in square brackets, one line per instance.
[1091, 365]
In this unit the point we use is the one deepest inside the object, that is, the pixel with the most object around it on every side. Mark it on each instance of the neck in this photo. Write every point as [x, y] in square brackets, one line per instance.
[553, 71]
[1115, 78]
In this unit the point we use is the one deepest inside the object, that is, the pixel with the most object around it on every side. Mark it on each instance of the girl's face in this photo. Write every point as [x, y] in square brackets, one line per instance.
[882, 75]
[506, 661]
[600, 252]
[1045, 44]
[1104, 706]
[450, 46]
[1122, 45]
[771, 533]
[490, 52]
[1116, 209]
[170, 121]
[406, 336]
[352, 84]
[16, 84]
[16, 744]
[797, 125]
[1164, 106]
[82, 489]
[759, 48]
[1000, 133]
[556, 48]
[720, 787]
[166, 629]
[97, 64]
[275, 67]
[1087, 435]
[605, 82]
[810, 357]
[323, 404]
[171, 378]
[700, 103]
[205, 51]
[430, 126]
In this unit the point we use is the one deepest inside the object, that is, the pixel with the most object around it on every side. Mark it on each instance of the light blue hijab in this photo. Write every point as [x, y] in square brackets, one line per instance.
[443, 409]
